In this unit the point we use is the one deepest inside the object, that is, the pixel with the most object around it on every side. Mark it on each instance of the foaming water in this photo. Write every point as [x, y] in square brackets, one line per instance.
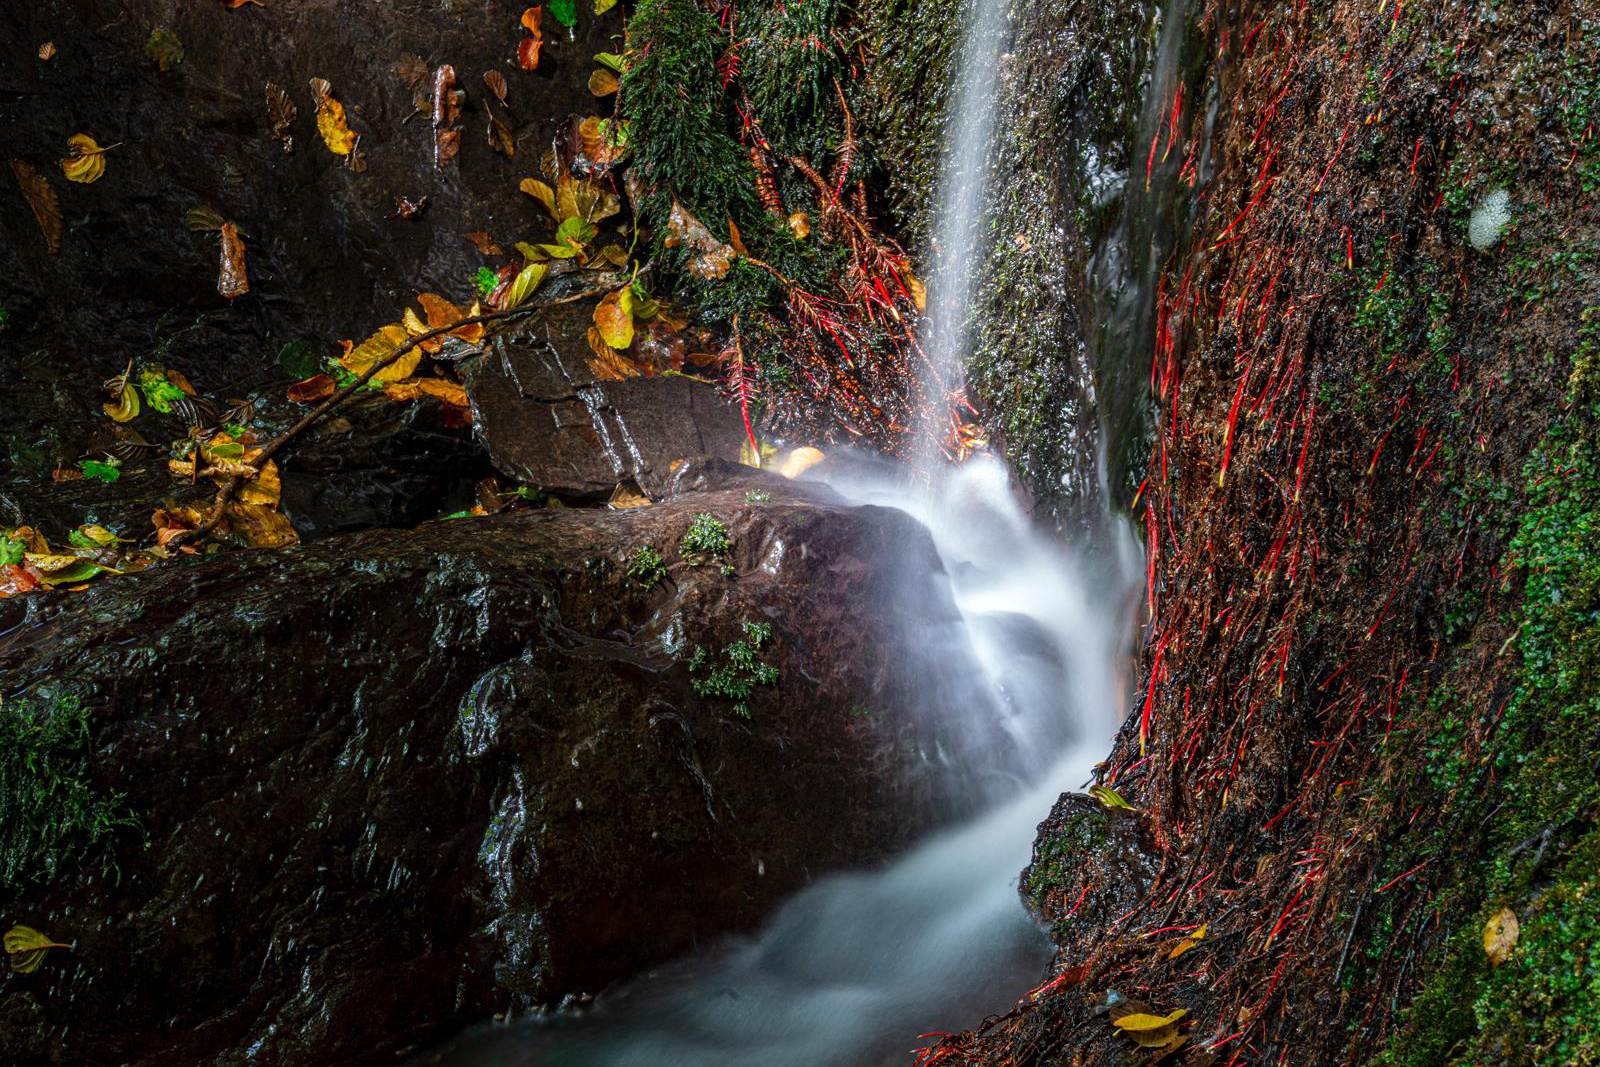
[850, 970]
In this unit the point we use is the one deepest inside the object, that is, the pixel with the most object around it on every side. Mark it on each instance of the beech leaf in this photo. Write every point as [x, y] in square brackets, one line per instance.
[542, 193]
[603, 83]
[1142, 1021]
[126, 406]
[1500, 935]
[613, 317]
[525, 284]
[233, 279]
[331, 124]
[42, 199]
[379, 346]
[27, 947]
[496, 83]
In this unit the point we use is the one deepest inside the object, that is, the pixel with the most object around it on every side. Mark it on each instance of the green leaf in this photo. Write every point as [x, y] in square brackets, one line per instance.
[93, 468]
[576, 231]
[76, 572]
[1110, 797]
[486, 280]
[11, 552]
[563, 11]
[559, 251]
[298, 360]
[609, 59]
[158, 392]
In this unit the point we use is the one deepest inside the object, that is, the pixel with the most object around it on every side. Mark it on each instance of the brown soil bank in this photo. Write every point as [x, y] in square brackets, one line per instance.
[1369, 718]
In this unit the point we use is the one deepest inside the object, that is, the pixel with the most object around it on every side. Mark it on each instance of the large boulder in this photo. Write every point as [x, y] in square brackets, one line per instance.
[399, 780]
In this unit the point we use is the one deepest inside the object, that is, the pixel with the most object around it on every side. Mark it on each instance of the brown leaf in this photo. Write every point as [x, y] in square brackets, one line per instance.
[412, 388]
[410, 68]
[317, 387]
[233, 279]
[500, 137]
[204, 219]
[320, 88]
[261, 525]
[446, 103]
[483, 243]
[528, 53]
[179, 382]
[440, 311]
[733, 239]
[281, 113]
[42, 199]
[608, 364]
[447, 145]
[496, 83]
[409, 209]
[47, 51]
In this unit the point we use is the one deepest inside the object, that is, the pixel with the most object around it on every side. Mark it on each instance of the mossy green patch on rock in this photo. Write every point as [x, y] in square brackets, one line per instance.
[53, 818]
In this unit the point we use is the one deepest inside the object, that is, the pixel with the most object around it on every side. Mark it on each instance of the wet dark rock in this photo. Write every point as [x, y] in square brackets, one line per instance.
[380, 463]
[400, 780]
[547, 422]
[1091, 864]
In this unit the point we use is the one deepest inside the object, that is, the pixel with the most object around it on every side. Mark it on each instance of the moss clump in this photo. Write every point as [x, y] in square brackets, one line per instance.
[1060, 853]
[706, 537]
[646, 567]
[736, 673]
[52, 818]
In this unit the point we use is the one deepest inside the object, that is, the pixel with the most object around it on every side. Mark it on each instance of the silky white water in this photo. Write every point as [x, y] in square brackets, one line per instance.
[852, 969]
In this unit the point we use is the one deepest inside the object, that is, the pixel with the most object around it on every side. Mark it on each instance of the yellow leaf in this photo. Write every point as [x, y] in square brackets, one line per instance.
[411, 388]
[264, 488]
[378, 347]
[1500, 935]
[413, 324]
[27, 947]
[603, 83]
[525, 283]
[260, 525]
[542, 193]
[614, 318]
[331, 124]
[1189, 942]
[1141, 1021]
[126, 406]
[602, 6]
[86, 161]
[1166, 1037]
[919, 294]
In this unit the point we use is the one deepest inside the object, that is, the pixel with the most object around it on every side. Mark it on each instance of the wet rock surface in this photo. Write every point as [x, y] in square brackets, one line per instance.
[547, 421]
[469, 773]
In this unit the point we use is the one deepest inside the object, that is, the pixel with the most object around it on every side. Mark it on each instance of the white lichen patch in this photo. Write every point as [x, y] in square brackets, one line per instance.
[1489, 220]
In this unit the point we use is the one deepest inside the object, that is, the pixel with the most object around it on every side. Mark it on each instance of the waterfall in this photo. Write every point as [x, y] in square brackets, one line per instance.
[851, 969]
[963, 188]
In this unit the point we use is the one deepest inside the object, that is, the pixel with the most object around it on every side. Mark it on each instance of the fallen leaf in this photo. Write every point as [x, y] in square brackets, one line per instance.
[602, 6]
[531, 18]
[409, 209]
[483, 242]
[15, 579]
[411, 388]
[317, 387]
[501, 138]
[734, 239]
[1500, 935]
[266, 487]
[446, 146]
[65, 474]
[563, 11]
[380, 346]
[715, 256]
[126, 405]
[446, 100]
[281, 113]
[496, 83]
[609, 364]
[204, 219]
[233, 279]
[259, 525]
[410, 68]
[800, 225]
[47, 51]
[42, 199]
[1135, 1021]
[528, 53]
[613, 317]
[603, 83]
[610, 59]
[165, 48]
[542, 193]
[525, 284]
[336, 133]
[919, 294]
[27, 947]
[60, 569]
[1189, 942]
[799, 461]
[240, 3]
[599, 139]
[628, 496]
[440, 311]
[86, 161]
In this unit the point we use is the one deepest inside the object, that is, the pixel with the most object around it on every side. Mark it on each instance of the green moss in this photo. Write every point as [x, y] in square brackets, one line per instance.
[52, 818]
[1062, 852]
[1539, 834]
[705, 537]
[737, 672]
[646, 567]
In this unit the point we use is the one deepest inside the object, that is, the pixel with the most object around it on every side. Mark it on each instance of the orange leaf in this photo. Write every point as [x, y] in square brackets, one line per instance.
[232, 279]
[440, 311]
[528, 53]
[314, 388]
[483, 242]
[609, 364]
[240, 3]
[530, 20]
[411, 388]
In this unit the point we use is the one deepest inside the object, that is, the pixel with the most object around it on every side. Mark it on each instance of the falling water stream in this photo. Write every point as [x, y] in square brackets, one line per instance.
[853, 968]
